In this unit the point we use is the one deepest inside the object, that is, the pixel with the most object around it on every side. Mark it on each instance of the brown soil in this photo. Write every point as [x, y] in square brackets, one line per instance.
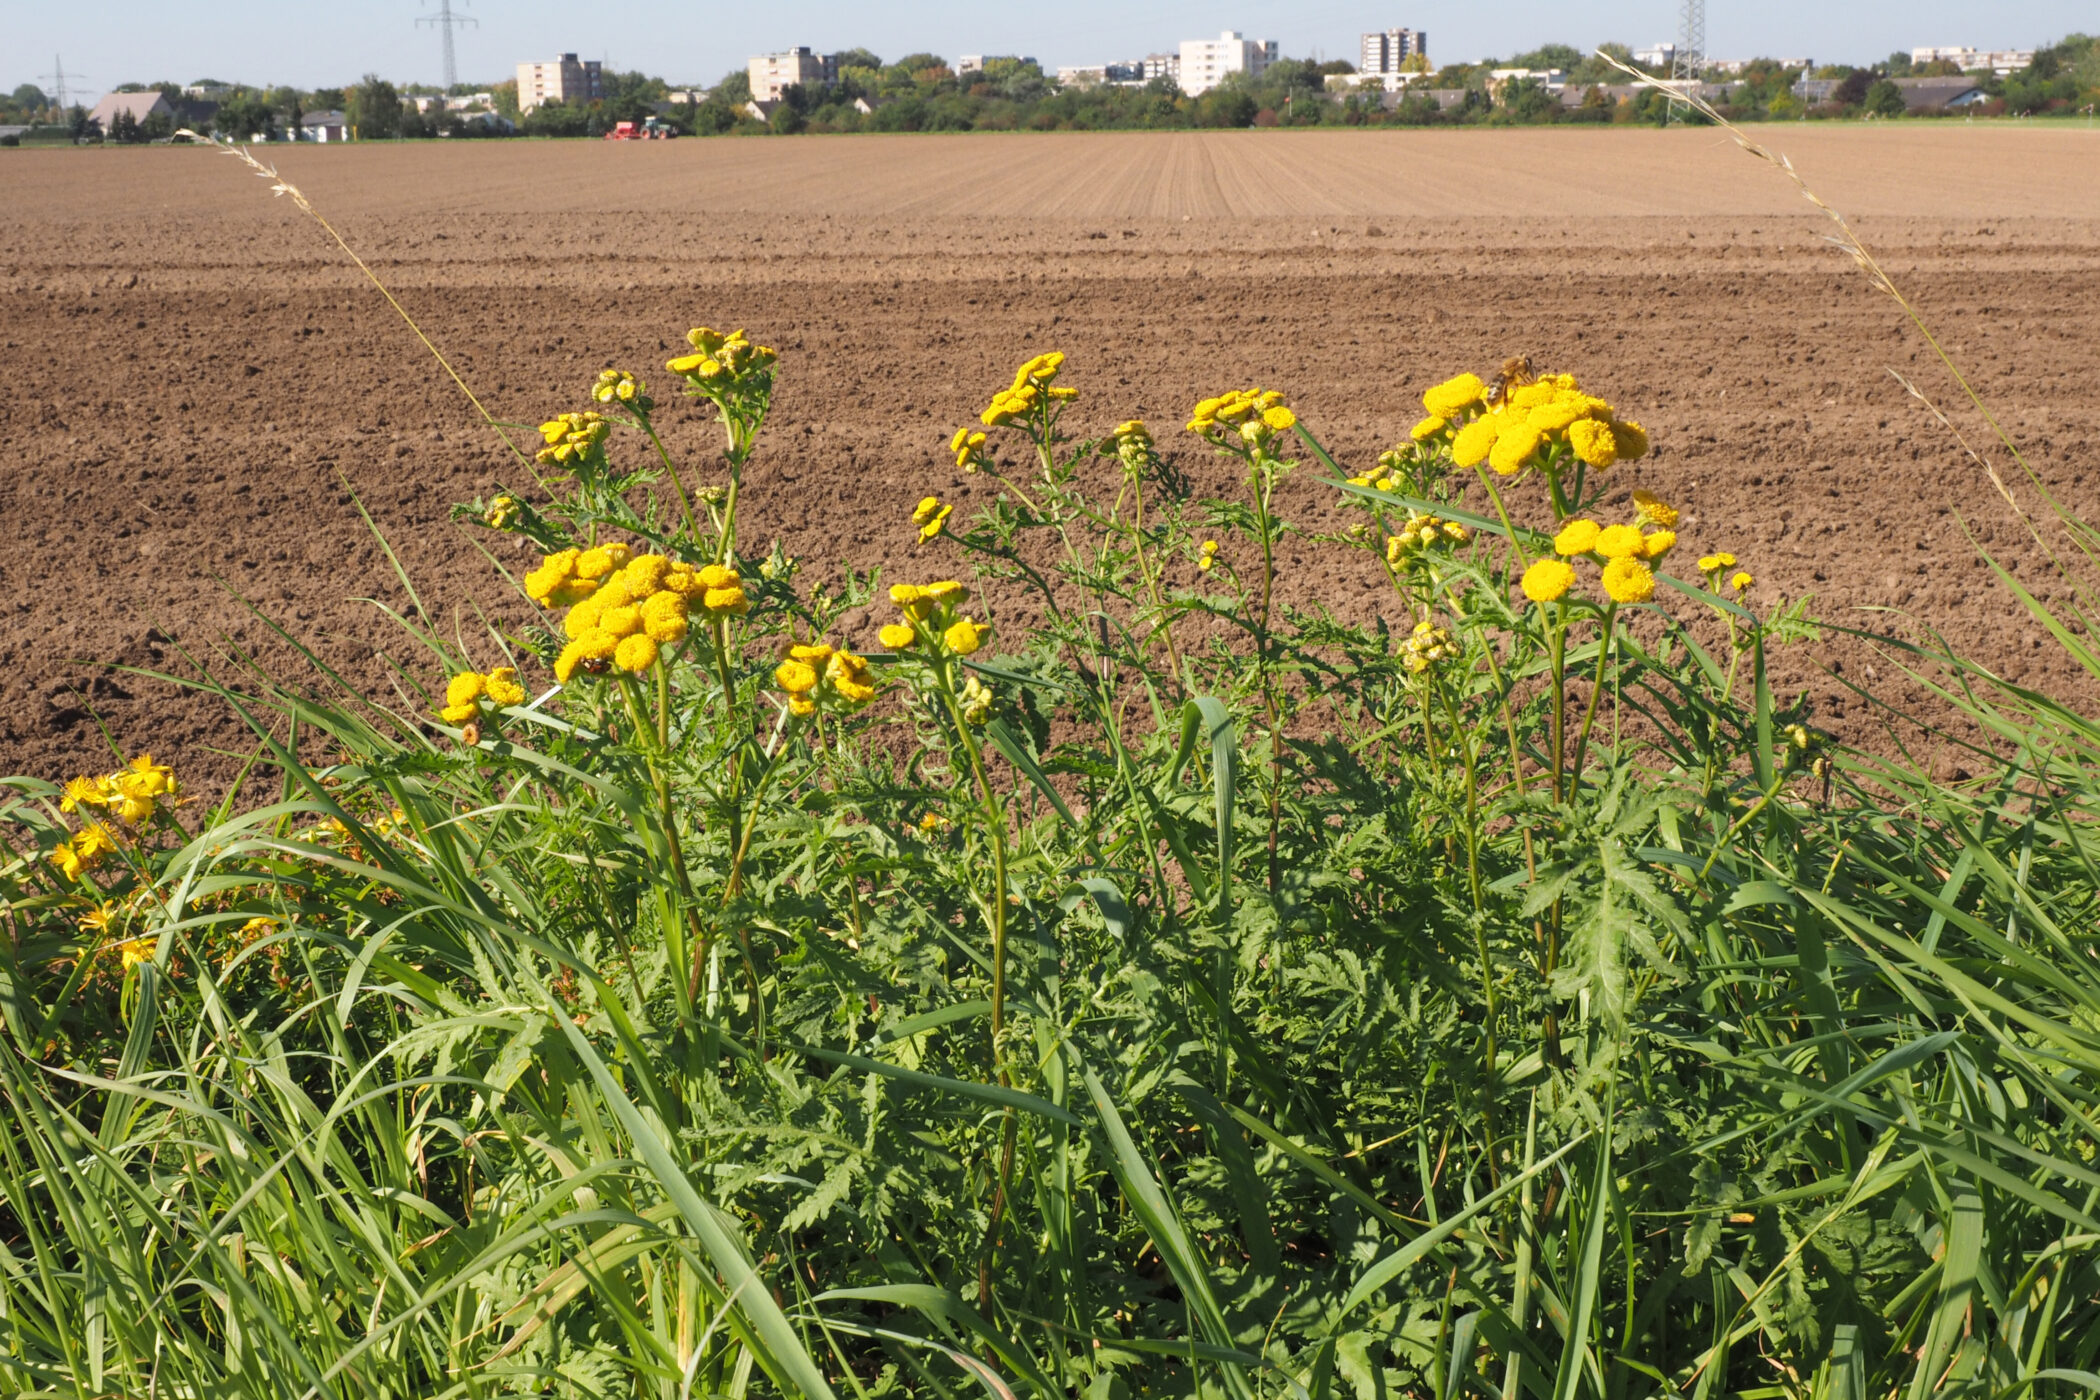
[197, 380]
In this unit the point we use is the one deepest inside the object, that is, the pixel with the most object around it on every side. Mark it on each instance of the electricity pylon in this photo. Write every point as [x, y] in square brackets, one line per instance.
[1691, 55]
[444, 21]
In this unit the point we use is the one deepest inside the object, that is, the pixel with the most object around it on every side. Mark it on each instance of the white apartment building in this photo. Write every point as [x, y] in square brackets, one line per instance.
[2000, 61]
[1207, 62]
[774, 73]
[1656, 56]
[1387, 49]
[564, 80]
[1163, 65]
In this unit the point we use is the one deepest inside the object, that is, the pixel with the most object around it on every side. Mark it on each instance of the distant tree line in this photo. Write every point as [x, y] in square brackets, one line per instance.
[920, 92]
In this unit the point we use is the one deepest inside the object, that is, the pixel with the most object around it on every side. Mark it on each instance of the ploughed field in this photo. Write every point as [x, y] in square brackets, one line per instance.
[201, 389]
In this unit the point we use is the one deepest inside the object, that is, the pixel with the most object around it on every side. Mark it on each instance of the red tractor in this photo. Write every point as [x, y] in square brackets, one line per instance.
[654, 129]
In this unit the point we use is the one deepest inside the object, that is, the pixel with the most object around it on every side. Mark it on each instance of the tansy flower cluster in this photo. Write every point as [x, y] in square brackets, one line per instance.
[635, 606]
[1427, 645]
[502, 511]
[1207, 557]
[1031, 390]
[572, 575]
[1714, 565]
[1255, 415]
[131, 794]
[722, 364]
[618, 386]
[1133, 441]
[818, 676]
[1627, 554]
[968, 447]
[1419, 533]
[931, 517]
[1545, 422]
[465, 692]
[1383, 477]
[932, 621]
[573, 436]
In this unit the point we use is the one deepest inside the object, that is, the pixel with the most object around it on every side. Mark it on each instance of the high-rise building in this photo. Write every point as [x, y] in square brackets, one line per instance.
[564, 80]
[1207, 62]
[1163, 65]
[774, 73]
[1388, 49]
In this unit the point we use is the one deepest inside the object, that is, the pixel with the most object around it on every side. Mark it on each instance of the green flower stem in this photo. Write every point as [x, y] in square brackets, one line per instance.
[1582, 742]
[995, 835]
[685, 504]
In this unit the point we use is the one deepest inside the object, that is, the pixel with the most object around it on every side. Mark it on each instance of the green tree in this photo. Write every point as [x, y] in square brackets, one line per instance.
[857, 58]
[1547, 56]
[734, 87]
[29, 97]
[244, 115]
[1885, 99]
[77, 123]
[375, 109]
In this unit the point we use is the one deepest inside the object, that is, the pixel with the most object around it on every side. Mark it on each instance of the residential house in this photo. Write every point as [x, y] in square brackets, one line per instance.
[140, 105]
[324, 127]
[1929, 95]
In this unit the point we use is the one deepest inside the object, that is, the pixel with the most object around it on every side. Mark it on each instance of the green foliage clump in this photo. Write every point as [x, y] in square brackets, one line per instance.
[1124, 980]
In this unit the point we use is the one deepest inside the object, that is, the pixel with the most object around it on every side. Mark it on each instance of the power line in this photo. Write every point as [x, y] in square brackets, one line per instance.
[57, 78]
[444, 21]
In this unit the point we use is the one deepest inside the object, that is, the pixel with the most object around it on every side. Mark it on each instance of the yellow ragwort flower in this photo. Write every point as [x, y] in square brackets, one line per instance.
[1547, 579]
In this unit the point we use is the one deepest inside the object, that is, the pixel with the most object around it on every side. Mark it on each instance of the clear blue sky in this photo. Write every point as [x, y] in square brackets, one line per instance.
[314, 45]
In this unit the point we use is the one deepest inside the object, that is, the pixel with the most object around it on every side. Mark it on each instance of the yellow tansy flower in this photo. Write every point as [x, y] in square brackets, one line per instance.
[1653, 510]
[1576, 537]
[1593, 442]
[897, 636]
[1547, 579]
[1619, 542]
[1628, 580]
[964, 637]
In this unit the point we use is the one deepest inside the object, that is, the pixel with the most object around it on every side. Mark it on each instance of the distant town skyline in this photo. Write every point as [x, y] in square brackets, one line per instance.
[249, 41]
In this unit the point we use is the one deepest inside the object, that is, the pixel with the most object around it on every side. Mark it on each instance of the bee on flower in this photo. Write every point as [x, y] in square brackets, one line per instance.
[931, 517]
